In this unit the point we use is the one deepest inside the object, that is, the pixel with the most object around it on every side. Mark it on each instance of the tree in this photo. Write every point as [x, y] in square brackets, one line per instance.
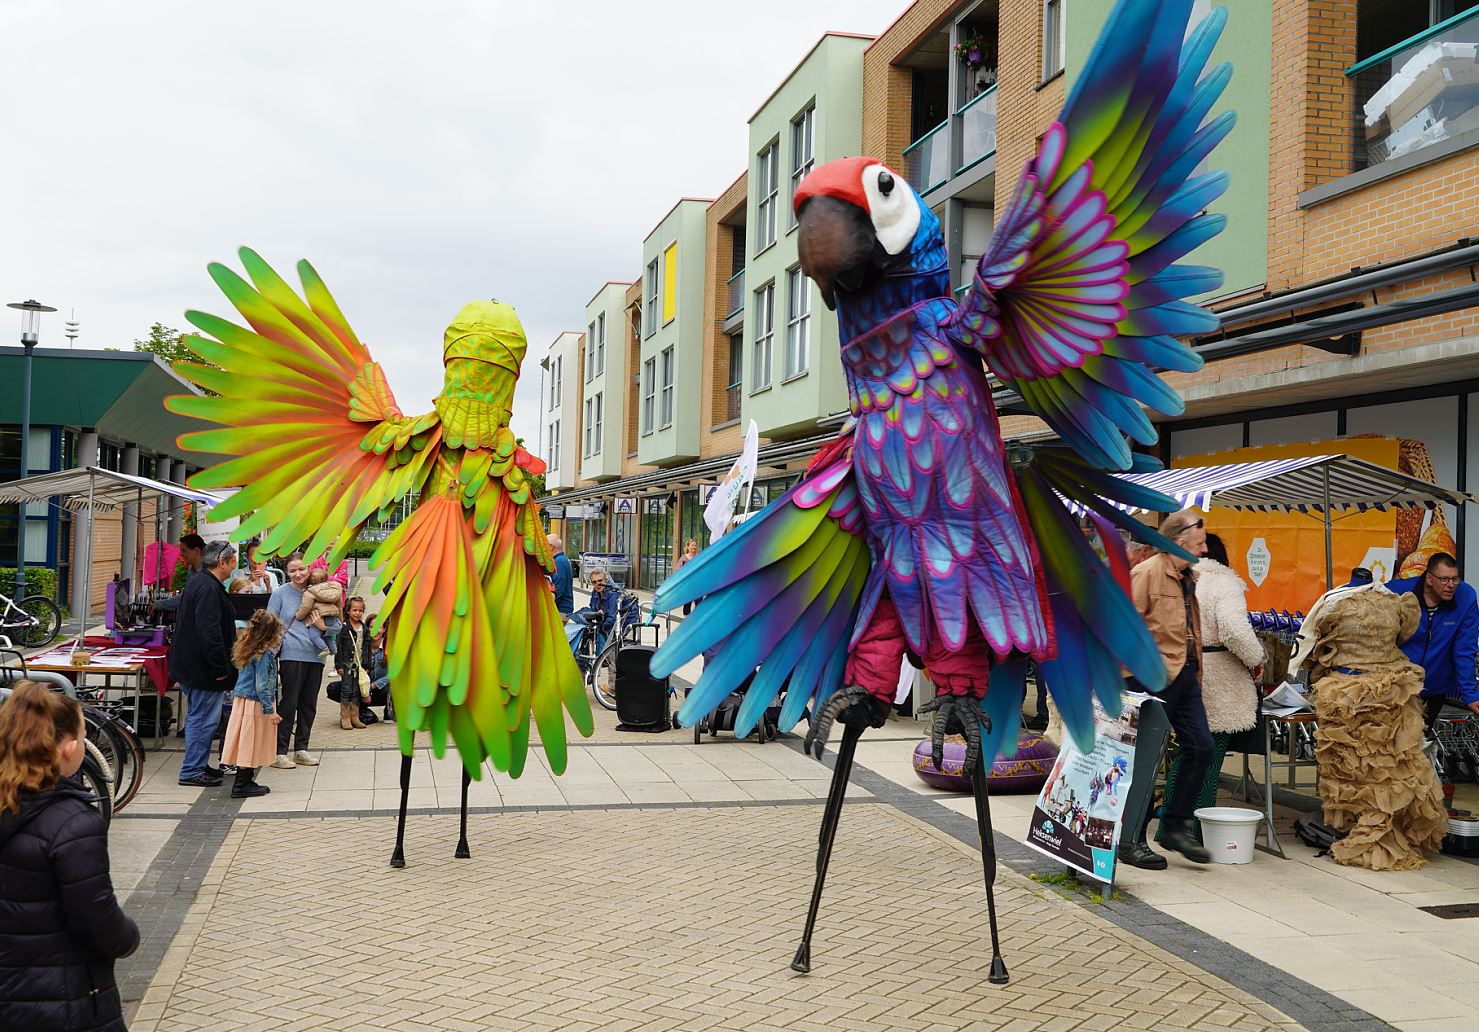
[168, 343]
[536, 480]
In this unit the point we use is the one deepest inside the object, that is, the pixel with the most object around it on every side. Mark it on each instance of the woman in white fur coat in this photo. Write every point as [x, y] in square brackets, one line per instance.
[1232, 660]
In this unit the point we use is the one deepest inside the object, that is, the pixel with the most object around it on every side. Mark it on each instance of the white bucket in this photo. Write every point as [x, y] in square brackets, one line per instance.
[1228, 833]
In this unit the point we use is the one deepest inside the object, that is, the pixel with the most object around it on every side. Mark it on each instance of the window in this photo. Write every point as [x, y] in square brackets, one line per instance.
[736, 359]
[590, 353]
[596, 443]
[766, 190]
[556, 373]
[667, 387]
[764, 336]
[1052, 38]
[798, 322]
[649, 393]
[600, 343]
[669, 283]
[803, 151]
[651, 308]
[586, 452]
[554, 446]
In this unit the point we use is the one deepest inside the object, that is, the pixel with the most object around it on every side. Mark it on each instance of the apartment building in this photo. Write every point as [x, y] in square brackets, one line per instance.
[792, 373]
[603, 401]
[673, 336]
[560, 377]
[1349, 304]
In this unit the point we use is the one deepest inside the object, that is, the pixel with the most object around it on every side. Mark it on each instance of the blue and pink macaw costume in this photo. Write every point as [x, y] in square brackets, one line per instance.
[919, 530]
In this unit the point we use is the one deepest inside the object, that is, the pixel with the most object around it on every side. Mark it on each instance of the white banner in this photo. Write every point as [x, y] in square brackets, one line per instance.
[721, 506]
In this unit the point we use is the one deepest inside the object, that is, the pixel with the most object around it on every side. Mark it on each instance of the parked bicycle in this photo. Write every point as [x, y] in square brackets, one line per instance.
[597, 660]
[34, 621]
[95, 776]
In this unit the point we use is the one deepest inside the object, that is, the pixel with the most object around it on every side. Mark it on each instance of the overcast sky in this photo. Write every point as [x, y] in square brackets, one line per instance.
[420, 155]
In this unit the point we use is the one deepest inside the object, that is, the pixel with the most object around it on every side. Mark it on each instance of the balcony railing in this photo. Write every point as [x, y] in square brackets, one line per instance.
[1418, 93]
[927, 159]
[977, 128]
[732, 395]
[736, 294]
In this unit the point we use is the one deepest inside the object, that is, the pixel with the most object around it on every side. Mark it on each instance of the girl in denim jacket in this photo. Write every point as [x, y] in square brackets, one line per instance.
[251, 735]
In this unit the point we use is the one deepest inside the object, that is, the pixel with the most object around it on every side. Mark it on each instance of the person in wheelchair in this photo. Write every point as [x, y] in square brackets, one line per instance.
[600, 612]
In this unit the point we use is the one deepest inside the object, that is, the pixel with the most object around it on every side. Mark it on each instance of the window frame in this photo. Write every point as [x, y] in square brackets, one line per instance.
[764, 338]
[590, 351]
[798, 324]
[650, 309]
[586, 442]
[767, 193]
[600, 343]
[803, 131]
[599, 399]
[554, 445]
[1053, 56]
[649, 395]
[555, 373]
[668, 372]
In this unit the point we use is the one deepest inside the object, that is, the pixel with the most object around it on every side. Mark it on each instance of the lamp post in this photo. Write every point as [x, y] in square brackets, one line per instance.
[30, 333]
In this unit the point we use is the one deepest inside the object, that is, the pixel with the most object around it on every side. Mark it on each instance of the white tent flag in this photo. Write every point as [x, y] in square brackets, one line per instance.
[740, 476]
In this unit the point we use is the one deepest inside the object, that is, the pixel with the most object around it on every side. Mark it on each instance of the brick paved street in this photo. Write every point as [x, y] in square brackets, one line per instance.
[643, 918]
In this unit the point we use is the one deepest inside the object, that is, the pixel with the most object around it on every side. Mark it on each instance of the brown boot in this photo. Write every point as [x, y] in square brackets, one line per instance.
[354, 715]
[345, 723]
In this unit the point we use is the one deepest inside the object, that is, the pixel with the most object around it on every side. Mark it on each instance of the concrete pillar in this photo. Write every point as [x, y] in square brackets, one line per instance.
[176, 507]
[82, 527]
[128, 565]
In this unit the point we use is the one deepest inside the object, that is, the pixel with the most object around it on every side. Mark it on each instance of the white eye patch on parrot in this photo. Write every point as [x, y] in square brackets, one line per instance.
[892, 206]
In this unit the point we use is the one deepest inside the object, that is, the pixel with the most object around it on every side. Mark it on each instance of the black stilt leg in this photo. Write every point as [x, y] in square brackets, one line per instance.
[830, 816]
[998, 975]
[463, 852]
[398, 858]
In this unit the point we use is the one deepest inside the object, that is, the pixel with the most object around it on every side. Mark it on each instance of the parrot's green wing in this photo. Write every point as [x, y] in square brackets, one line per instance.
[318, 443]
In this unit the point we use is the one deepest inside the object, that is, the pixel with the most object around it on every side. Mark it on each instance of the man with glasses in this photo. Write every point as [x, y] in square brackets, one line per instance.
[1163, 589]
[1445, 642]
[600, 613]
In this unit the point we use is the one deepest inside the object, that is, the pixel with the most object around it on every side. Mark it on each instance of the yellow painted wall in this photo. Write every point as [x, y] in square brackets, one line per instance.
[670, 282]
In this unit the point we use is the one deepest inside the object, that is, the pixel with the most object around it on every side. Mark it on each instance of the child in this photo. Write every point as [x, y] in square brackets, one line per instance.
[62, 928]
[380, 670]
[324, 597]
[354, 661]
[251, 735]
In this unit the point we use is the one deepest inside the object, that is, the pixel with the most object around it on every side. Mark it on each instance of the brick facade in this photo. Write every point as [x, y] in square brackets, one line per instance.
[719, 435]
[888, 88]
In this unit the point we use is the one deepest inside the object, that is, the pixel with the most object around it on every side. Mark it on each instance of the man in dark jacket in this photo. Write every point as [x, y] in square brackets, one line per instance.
[201, 659]
[562, 580]
[60, 925]
[1445, 642]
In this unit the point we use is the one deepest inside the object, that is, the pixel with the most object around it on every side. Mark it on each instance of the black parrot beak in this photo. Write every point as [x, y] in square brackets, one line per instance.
[835, 241]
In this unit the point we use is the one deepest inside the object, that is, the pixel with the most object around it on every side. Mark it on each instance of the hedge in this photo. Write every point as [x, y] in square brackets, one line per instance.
[40, 580]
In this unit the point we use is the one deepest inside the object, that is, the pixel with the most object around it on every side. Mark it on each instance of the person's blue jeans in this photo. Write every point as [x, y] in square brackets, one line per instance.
[202, 717]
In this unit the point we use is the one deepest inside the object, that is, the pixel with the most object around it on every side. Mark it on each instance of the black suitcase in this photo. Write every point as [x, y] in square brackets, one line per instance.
[150, 706]
[642, 701]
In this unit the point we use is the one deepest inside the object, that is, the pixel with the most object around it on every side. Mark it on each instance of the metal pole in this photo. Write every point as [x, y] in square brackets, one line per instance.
[91, 530]
[1329, 559]
[20, 523]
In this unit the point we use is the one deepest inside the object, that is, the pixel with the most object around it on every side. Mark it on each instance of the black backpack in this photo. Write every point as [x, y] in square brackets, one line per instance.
[1316, 834]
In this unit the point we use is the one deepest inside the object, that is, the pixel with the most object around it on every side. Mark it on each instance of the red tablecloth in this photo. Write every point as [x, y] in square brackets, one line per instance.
[155, 658]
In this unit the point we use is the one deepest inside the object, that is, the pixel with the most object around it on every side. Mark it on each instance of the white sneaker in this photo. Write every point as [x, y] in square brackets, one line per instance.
[283, 763]
[302, 758]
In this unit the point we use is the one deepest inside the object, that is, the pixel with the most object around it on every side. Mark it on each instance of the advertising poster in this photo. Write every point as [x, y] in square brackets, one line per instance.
[1079, 810]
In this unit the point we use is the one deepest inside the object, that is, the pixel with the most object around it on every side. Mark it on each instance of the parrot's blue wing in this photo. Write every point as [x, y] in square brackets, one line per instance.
[1077, 297]
[777, 598]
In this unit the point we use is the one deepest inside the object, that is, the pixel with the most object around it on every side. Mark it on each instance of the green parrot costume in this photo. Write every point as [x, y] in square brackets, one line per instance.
[475, 646]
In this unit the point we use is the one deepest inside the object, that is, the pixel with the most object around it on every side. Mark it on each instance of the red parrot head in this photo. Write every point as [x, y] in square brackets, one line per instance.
[857, 218]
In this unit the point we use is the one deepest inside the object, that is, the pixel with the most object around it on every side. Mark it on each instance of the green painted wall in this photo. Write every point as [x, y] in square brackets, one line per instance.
[832, 76]
[1241, 250]
[685, 333]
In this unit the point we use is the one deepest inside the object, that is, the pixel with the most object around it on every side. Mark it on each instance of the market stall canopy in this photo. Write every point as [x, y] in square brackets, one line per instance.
[1302, 484]
[106, 487]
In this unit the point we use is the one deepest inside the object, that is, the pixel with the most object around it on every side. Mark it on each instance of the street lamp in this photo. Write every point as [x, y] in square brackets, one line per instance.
[30, 333]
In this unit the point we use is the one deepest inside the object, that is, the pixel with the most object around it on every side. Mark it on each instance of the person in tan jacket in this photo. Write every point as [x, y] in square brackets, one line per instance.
[1163, 589]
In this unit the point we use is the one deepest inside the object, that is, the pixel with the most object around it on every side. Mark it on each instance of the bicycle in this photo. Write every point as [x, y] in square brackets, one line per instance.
[94, 776]
[122, 750]
[600, 667]
[35, 617]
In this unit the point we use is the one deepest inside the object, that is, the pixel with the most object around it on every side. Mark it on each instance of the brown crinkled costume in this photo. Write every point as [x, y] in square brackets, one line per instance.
[1375, 780]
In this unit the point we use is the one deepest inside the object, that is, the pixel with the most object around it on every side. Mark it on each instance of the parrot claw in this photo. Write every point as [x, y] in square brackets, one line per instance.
[956, 715]
[855, 706]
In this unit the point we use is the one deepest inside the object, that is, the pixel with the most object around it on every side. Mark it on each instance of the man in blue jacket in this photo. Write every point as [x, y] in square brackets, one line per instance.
[562, 580]
[1447, 637]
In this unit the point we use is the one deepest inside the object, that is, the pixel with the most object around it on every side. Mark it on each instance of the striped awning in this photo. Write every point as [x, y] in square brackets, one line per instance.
[1299, 485]
[109, 489]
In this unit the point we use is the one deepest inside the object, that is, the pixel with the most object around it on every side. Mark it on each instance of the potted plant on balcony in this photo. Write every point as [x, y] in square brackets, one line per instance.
[975, 52]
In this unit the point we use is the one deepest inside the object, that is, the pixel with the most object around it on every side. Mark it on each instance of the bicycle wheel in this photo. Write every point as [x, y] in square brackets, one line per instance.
[602, 676]
[95, 778]
[122, 749]
[47, 617]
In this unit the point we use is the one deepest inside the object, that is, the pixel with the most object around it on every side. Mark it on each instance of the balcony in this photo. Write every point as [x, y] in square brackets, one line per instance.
[927, 159]
[1418, 93]
[977, 120]
[735, 306]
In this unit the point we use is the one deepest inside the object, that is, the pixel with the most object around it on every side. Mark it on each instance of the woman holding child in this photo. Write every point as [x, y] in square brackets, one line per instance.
[300, 665]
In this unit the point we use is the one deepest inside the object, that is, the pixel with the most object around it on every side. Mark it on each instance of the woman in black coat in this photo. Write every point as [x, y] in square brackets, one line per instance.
[61, 927]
